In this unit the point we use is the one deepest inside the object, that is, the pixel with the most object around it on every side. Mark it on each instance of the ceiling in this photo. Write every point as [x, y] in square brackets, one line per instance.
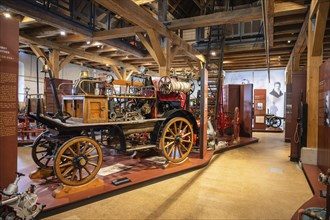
[100, 38]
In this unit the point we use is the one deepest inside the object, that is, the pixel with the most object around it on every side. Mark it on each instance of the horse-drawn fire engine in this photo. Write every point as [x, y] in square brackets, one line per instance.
[123, 115]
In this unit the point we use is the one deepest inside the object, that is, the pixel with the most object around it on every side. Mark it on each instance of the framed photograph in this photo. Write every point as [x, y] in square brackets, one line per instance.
[260, 106]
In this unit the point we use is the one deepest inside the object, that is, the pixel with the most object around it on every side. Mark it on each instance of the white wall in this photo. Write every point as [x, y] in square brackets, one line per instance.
[28, 74]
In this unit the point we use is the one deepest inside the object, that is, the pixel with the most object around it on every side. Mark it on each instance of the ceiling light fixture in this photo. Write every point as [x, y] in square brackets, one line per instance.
[88, 42]
[62, 33]
[107, 64]
[289, 41]
[7, 15]
[213, 53]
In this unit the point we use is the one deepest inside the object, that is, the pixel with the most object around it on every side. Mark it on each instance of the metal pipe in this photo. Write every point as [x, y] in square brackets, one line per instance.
[8, 201]
[38, 95]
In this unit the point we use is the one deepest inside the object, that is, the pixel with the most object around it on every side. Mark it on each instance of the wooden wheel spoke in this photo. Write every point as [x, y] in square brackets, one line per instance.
[72, 152]
[78, 148]
[85, 148]
[169, 138]
[170, 151]
[43, 157]
[90, 150]
[80, 173]
[47, 161]
[170, 130]
[89, 172]
[169, 144]
[67, 157]
[180, 151]
[93, 164]
[67, 170]
[74, 172]
[187, 141]
[185, 128]
[66, 164]
[180, 127]
[93, 156]
[182, 145]
[185, 135]
[175, 128]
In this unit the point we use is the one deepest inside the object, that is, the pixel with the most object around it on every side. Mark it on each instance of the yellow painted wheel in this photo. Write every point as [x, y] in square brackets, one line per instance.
[78, 161]
[177, 139]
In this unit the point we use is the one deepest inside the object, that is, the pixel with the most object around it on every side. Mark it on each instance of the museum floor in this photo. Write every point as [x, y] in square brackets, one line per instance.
[253, 182]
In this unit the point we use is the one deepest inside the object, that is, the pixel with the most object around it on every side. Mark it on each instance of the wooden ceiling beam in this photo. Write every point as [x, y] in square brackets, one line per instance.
[71, 38]
[282, 8]
[156, 45]
[24, 8]
[218, 18]
[322, 9]
[148, 46]
[44, 31]
[116, 71]
[65, 61]
[77, 52]
[299, 47]
[117, 33]
[146, 21]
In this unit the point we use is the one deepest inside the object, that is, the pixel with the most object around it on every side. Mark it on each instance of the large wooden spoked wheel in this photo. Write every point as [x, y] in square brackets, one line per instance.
[43, 151]
[177, 139]
[78, 161]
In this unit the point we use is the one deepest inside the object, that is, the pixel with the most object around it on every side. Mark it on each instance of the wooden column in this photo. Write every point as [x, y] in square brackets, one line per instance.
[9, 29]
[316, 28]
[54, 59]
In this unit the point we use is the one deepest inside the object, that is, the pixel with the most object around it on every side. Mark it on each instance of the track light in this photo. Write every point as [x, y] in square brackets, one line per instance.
[7, 15]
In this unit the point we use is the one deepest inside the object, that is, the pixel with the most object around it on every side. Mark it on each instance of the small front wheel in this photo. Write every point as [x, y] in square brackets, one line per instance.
[177, 139]
[43, 151]
[275, 122]
[78, 161]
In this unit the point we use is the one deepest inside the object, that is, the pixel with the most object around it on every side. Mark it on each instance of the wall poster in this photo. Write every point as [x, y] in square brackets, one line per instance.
[8, 99]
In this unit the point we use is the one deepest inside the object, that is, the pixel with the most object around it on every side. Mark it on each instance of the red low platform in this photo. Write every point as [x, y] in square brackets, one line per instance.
[141, 171]
[312, 173]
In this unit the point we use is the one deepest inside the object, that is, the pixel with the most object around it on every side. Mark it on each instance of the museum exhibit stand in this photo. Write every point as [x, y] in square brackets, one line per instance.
[91, 146]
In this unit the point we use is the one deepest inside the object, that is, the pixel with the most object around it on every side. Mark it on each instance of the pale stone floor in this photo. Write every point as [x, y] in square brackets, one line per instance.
[253, 182]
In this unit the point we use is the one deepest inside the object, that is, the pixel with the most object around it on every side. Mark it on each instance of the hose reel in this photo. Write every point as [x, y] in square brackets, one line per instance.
[167, 85]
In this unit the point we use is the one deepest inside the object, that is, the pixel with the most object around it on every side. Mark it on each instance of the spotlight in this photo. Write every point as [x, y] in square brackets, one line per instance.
[107, 64]
[289, 41]
[88, 42]
[213, 53]
[62, 33]
[7, 15]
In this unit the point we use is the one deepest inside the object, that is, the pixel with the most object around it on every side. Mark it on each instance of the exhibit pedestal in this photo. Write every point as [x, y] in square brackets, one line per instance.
[41, 173]
[65, 190]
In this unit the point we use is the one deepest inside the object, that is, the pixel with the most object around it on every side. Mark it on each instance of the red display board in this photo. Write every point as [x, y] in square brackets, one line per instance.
[323, 153]
[9, 30]
[260, 109]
